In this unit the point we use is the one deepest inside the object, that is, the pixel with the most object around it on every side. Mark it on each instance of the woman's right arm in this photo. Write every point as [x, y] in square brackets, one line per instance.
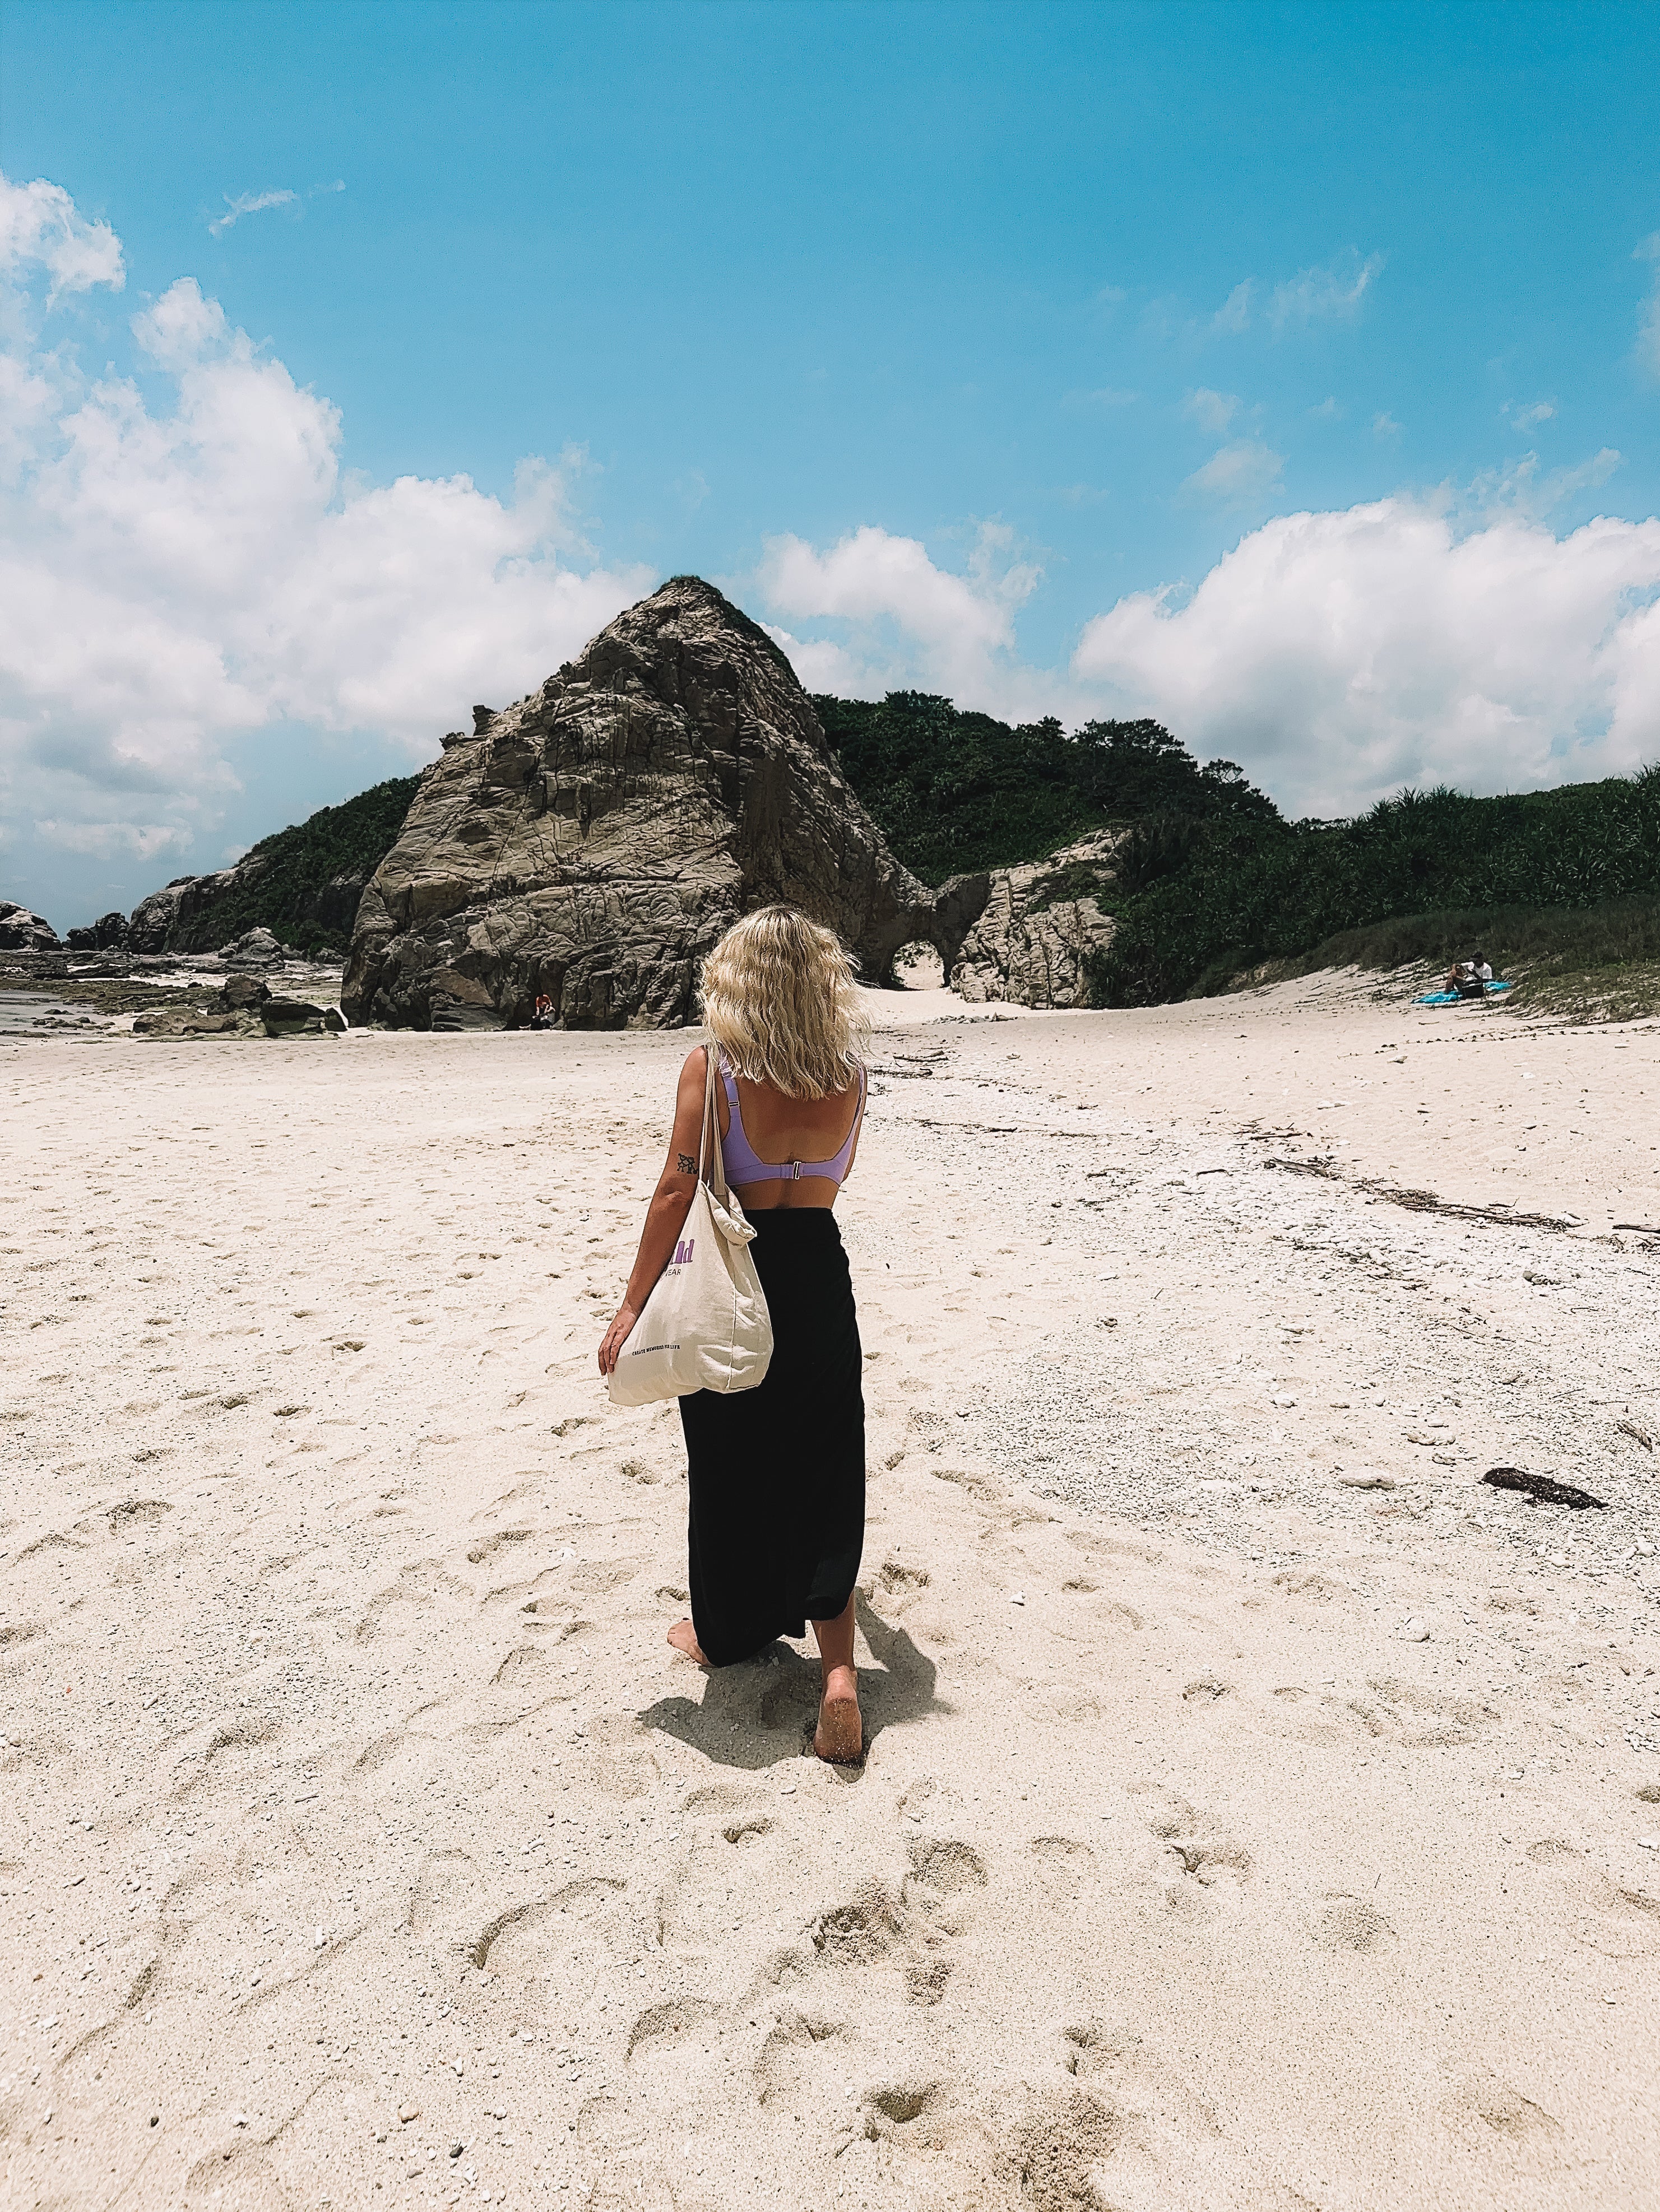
[670, 1202]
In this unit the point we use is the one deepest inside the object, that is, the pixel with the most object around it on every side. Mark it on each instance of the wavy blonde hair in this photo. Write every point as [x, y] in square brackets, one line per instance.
[780, 999]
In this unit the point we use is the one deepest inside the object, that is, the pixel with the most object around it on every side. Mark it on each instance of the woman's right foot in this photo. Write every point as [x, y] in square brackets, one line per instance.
[839, 1735]
[683, 1636]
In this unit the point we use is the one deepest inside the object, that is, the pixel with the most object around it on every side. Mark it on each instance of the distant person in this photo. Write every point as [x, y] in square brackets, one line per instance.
[776, 1473]
[1459, 977]
[1470, 984]
[542, 1018]
[1482, 970]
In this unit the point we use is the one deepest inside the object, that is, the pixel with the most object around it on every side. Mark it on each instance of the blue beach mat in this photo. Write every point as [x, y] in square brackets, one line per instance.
[1452, 999]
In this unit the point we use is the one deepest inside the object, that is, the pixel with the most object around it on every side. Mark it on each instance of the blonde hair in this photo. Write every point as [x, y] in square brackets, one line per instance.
[780, 999]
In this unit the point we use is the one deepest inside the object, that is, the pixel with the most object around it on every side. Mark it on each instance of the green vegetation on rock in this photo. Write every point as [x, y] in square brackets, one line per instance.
[954, 792]
[303, 884]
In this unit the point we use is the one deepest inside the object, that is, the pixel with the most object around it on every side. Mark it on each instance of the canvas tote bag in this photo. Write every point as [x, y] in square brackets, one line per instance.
[705, 1326]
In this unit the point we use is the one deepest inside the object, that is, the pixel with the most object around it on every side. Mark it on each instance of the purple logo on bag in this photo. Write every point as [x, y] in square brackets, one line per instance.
[683, 1253]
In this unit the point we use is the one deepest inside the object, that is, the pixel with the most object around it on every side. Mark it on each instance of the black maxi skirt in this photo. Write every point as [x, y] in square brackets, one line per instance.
[777, 1474]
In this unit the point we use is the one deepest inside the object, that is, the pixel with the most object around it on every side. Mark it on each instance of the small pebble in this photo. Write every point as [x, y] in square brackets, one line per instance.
[1015, 1598]
[1415, 1631]
[408, 2112]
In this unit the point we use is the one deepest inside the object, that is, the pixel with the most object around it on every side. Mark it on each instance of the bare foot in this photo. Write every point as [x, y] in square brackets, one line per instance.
[683, 1636]
[839, 1735]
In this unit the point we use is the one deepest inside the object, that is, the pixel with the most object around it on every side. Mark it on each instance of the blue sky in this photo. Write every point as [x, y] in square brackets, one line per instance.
[1291, 373]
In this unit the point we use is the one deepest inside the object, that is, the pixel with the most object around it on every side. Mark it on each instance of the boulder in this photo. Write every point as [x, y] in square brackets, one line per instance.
[173, 1024]
[288, 1017]
[107, 934]
[1039, 927]
[155, 918]
[244, 992]
[594, 840]
[256, 948]
[23, 931]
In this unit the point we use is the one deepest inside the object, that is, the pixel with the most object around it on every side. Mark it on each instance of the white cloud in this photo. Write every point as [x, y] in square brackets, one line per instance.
[1327, 411]
[249, 204]
[180, 581]
[1526, 418]
[103, 840]
[1234, 313]
[1341, 655]
[1333, 294]
[903, 610]
[1236, 475]
[1520, 489]
[1648, 327]
[1385, 426]
[1211, 410]
[41, 229]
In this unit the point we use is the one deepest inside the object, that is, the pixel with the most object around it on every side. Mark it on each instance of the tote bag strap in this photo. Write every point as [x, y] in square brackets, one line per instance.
[708, 1141]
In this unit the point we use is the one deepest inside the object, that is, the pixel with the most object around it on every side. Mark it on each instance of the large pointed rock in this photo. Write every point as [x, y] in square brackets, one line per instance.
[594, 841]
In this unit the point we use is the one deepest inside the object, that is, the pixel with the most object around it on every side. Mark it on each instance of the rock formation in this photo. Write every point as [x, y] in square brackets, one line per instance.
[594, 841]
[23, 931]
[107, 934]
[1039, 928]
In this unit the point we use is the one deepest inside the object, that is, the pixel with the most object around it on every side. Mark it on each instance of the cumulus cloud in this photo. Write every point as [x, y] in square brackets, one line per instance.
[181, 579]
[1236, 475]
[902, 611]
[1333, 294]
[248, 203]
[42, 230]
[1341, 655]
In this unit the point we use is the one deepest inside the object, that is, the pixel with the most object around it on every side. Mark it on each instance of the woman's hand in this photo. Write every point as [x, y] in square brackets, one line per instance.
[616, 1337]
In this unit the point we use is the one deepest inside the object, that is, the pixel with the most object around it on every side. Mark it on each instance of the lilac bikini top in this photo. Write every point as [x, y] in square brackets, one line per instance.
[742, 1166]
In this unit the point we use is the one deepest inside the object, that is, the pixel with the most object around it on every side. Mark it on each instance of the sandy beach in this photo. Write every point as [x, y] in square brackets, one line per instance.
[1260, 1813]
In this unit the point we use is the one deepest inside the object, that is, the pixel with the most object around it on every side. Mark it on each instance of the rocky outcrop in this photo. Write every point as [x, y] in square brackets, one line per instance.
[157, 919]
[256, 948]
[247, 1008]
[107, 934]
[23, 931]
[594, 841]
[1039, 927]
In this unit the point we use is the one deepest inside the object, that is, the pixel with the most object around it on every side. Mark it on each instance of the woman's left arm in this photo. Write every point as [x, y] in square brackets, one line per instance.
[670, 1202]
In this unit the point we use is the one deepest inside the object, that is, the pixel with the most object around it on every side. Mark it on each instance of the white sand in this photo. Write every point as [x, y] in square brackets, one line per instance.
[347, 1775]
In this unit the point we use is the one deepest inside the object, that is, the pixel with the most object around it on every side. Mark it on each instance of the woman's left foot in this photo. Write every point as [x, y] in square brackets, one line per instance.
[839, 1735]
[683, 1636]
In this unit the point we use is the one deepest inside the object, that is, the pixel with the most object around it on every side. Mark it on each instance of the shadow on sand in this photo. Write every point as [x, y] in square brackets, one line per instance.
[765, 1709]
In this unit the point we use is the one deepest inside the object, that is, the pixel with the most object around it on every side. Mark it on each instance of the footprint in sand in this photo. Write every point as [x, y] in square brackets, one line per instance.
[791, 2057]
[1480, 2107]
[1204, 1859]
[1595, 1913]
[1343, 1922]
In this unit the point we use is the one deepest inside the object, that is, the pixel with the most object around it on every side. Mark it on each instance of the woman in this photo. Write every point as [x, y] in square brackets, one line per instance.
[776, 1473]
